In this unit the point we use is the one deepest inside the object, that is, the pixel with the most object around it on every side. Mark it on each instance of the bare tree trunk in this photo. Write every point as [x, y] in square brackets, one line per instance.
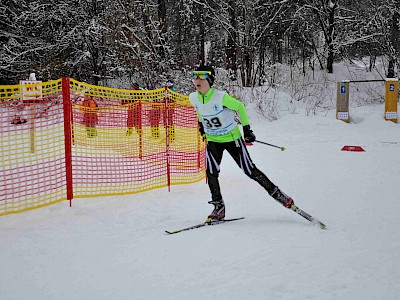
[247, 62]
[331, 36]
[395, 45]
[317, 55]
[261, 64]
[279, 50]
[200, 21]
[202, 44]
[162, 26]
[248, 59]
[303, 56]
[231, 42]
[180, 36]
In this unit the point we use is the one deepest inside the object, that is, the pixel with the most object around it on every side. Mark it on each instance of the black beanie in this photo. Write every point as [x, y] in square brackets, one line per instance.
[210, 78]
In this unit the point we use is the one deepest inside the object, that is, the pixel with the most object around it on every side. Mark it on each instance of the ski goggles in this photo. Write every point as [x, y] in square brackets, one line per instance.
[201, 74]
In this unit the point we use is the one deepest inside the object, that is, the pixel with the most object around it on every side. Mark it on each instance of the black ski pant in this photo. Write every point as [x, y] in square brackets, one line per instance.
[237, 149]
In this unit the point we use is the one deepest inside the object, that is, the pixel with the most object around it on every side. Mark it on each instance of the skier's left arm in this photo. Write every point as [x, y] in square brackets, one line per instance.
[239, 107]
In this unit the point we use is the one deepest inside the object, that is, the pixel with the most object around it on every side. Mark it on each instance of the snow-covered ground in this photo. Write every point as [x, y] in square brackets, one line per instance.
[117, 248]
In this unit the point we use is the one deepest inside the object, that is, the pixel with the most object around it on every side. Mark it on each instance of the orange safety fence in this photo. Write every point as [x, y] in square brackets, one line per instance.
[66, 139]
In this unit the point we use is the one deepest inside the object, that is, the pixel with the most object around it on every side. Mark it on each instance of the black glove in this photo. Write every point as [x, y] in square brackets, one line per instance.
[201, 130]
[249, 136]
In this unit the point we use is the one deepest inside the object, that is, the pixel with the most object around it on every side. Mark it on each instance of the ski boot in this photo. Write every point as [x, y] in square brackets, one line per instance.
[218, 213]
[283, 199]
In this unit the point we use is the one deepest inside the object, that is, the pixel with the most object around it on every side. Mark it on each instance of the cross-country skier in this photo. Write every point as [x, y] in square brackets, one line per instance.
[216, 113]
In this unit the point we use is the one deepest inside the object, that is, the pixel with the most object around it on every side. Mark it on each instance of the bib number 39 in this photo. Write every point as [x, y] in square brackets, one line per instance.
[213, 122]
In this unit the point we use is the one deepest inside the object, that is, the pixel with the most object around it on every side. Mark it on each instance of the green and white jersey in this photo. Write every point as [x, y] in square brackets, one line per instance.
[216, 110]
[217, 120]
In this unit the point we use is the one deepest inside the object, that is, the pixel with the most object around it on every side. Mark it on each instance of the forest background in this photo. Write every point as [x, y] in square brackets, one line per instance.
[145, 42]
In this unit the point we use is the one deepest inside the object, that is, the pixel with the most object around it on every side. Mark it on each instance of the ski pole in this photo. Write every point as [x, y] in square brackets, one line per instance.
[282, 148]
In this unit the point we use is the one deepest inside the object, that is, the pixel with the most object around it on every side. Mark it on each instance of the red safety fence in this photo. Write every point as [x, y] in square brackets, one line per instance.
[66, 139]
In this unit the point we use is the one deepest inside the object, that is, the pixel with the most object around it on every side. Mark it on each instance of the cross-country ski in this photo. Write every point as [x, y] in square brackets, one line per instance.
[203, 224]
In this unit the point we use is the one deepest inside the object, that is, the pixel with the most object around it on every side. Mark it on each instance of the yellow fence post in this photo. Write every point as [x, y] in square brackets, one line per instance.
[342, 101]
[391, 98]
